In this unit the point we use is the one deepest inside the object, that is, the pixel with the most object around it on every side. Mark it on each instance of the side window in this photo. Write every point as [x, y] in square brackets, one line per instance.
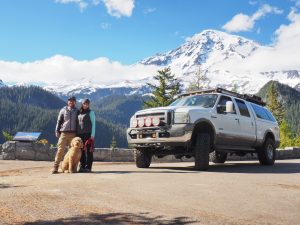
[221, 106]
[260, 112]
[272, 118]
[242, 107]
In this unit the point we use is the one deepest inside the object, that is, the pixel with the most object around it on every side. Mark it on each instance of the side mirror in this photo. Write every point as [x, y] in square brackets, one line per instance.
[229, 107]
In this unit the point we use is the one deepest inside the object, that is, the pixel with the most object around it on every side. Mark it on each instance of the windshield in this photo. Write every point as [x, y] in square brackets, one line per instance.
[205, 101]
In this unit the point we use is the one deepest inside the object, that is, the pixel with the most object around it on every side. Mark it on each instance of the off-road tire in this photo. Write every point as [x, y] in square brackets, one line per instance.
[267, 153]
[202, 152]
[142, 158]
[218, 157]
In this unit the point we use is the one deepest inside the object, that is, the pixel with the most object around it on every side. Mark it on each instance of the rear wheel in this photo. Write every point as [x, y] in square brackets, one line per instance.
[267, 153]
[218, 157]
[142, 158]
[202, 151]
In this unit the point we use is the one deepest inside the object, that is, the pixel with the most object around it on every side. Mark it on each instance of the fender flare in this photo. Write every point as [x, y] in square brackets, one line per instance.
[204, 120]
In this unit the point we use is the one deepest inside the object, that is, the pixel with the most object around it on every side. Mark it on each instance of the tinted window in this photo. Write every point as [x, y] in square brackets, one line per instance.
[243, 108]
[272, 118]
[260, 112]
[222, 104]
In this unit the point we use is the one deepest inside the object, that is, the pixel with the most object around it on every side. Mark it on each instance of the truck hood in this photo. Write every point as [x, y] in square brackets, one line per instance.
[173, 108]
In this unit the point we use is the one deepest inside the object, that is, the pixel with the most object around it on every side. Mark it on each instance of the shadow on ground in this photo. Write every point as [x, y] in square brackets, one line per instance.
[246, 167]
[146, 171]
[9, 186]
[115, 218]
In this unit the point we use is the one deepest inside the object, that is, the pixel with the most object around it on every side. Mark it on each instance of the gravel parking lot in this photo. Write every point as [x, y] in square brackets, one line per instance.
[166, 193]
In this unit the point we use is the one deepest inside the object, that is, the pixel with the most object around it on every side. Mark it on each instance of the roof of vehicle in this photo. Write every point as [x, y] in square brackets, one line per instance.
[248, 97]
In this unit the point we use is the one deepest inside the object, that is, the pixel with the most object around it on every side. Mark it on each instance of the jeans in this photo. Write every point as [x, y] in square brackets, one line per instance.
[86, 160]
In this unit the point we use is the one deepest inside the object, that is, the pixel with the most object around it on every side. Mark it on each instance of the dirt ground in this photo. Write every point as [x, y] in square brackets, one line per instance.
[167, 193]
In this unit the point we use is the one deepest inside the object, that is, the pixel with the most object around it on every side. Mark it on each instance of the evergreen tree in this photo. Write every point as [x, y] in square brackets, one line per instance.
[164, 93]
[274, 104]
[7, 136]
[286, 135]
[113, 144]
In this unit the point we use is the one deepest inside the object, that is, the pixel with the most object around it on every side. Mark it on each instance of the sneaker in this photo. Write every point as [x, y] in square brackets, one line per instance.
[88, 170]
[81, 170]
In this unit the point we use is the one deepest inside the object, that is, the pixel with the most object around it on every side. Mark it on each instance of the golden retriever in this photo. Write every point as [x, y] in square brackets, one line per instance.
[72, 158]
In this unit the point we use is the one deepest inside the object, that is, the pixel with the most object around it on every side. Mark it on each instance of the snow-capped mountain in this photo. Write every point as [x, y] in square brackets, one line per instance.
[209, 52]
[206, 48]
[85, 88]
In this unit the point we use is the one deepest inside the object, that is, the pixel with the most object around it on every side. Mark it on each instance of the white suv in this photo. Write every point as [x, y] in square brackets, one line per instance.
[205, 124]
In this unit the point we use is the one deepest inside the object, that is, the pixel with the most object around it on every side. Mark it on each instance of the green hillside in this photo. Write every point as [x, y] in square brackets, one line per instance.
[33, 95]
[34, 109]
[117, 108]
[290, 98]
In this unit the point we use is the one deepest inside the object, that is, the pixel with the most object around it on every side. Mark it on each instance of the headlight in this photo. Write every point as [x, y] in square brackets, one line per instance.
[181, 117]
[133, 122]
[141, 122]
[156, 121]
[148, 122]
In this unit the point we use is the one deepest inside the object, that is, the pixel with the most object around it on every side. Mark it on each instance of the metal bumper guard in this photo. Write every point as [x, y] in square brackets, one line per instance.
[176, 135]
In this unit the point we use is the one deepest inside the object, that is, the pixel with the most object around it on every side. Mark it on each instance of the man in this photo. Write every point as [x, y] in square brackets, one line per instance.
[65, 130]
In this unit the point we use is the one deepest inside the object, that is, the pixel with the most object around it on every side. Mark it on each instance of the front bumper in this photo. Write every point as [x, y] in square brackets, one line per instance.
[176, 135]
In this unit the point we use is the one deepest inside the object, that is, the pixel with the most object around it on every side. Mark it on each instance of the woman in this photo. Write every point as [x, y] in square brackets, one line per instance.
[86, 131]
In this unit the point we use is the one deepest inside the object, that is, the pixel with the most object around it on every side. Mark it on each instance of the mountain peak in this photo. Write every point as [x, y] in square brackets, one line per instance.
[218, 36]
[207, 47]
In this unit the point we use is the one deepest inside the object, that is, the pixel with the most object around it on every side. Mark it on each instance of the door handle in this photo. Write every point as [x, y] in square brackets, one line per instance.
[213, 116]
[237, 120]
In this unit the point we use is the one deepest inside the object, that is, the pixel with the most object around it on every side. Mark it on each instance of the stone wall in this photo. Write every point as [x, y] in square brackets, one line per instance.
[33, 151]
[12, 150]
[26, 151]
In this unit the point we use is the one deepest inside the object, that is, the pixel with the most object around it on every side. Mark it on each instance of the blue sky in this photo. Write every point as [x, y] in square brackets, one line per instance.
[87, 29]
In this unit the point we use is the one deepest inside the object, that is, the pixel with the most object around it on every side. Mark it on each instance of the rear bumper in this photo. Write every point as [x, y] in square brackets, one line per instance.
[177, 135]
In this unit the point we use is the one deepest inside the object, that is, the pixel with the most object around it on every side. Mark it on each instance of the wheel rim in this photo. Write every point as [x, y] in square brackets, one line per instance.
[270, 151]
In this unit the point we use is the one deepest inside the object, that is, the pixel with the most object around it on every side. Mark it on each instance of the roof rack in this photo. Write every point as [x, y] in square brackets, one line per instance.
[248, 97]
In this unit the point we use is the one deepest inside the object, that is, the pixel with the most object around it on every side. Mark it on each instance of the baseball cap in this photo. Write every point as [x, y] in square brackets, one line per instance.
[86, 100]
[72, 98]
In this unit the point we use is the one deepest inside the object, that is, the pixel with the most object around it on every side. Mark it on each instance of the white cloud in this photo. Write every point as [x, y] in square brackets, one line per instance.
[283, 54]
[119, 8]
[243, 22]
[149, 10]
[82, 4]
[116, 8]
[60, 69]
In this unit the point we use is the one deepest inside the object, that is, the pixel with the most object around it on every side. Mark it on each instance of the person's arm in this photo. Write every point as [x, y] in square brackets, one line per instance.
[93, 120]
[60, 120]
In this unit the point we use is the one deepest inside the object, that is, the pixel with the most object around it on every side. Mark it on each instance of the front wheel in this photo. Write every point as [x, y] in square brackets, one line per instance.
[202, 152]
[142, 158]
[267, 153]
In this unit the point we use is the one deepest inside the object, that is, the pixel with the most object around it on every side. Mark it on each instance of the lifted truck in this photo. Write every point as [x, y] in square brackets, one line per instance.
[205, 125]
